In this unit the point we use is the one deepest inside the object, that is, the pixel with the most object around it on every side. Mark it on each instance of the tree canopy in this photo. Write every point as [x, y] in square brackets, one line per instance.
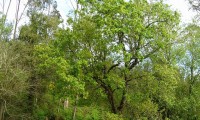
[113, 60]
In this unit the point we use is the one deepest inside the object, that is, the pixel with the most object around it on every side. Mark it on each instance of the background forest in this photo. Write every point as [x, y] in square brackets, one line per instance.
[113, 60]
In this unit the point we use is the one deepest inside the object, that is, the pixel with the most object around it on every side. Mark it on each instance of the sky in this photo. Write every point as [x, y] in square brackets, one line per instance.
[179, 5]
[182, 7]
[65, 5]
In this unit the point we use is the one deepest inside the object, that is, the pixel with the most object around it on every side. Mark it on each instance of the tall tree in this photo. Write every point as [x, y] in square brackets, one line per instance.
[114, 36]
[190, 64]
[18, 15]
[40, 29]
[191, 59]
[13, 83]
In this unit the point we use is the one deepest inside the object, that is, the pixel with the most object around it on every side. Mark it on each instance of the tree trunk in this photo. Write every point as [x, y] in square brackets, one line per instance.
[110, 97]
[6, 14]
[191, 77]
[191, 82]
[66, 103]
[16, 19]
[1, 110]
[123, 99]
[31, 93]
[75, 107]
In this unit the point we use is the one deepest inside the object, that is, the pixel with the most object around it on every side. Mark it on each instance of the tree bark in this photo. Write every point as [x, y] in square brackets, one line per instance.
[75, 108]
[16, 19]
[1, 110]
[123, 99]
[6, 14]
[111, 100]
[31, 93]
[191, 82]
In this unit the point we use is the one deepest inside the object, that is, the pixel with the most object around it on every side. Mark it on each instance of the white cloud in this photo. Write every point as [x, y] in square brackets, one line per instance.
[13, 8]
[65, 5]
[182, 6]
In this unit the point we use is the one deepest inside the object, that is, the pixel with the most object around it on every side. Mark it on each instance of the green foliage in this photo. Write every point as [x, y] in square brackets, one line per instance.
[113, 37]
[13, 84]
[115, 60]
[40, 29]
[154, 93]
[55, 70]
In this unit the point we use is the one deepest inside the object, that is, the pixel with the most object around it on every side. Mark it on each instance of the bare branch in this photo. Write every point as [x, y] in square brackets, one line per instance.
[23, 10]
[16, 19]
[133, 64]
[72, 4]
[150, 53]
[6, 14]
[157, 21]
[113, 66]
[3, 6]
